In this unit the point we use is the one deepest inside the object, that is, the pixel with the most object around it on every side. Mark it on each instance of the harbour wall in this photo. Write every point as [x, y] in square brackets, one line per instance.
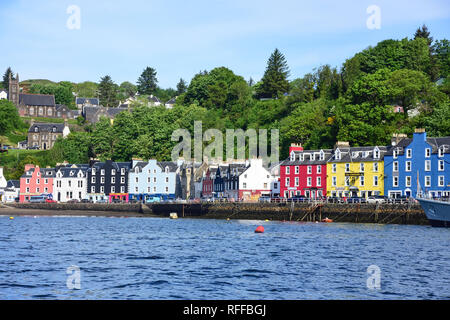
[355, 213]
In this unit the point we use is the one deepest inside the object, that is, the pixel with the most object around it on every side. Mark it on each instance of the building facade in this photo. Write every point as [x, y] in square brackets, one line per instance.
[304, 173]
[70, 183]
[418, 165]
[36, 181]
[108, 181]
[356, 171]
[44, 135]
[255, 181]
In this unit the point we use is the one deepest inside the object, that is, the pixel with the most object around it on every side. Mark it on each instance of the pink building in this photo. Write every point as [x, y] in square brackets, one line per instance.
[36, 181]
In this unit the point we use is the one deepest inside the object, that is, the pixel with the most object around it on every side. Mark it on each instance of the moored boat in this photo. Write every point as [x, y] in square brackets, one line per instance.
[438, 212]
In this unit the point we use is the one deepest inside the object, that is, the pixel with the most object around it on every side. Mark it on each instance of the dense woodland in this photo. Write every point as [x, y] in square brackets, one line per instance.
[352, 103]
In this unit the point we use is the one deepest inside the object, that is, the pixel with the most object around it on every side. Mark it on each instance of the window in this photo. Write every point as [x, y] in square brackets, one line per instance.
[275, 185]
[333, 168]
[427, 152]
[427, 181]
[361, 181]
[167, 189]
[338, 155]
[395, 166]
[93, 179]
[122, 179]
[347, 167]
[361, 167]
[319, 181]
[288, 170]
[113, 172]
[441, 181]
[122, 171]
[408, 166]
[334, 181]
[167, 179]
[102, 180]
[28, 181]
[102, 189]
[38, 181]
[395, 181]
[347, 181]
[28, 190]
[375, 181]
[292, 156]
[395, 153]
[296, 182]
[375, 167]
[265, 185]
[441, 152]
[287, 182]
[302, 157]
[113, 189]
[102, 172]
[244, 185]
[427, 165]
[154, 189]
[309, 169]
[93, 171]
[376, 154]
[408, 153]
[154, 179]
[38, 190]
[441, 165]
[137, 179]
[296, 169]
[309, 182]
[319, 169]
[122, 189]
[70, 183]
[408, 181]
[92, 189]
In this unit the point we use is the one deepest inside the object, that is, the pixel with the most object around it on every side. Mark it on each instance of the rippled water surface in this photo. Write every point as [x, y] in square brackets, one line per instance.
[150, 258]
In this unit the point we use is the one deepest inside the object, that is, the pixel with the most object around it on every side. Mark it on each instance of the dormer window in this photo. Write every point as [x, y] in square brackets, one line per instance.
[395, 153]
[102, 172]
[302, 157]
[136, 170]
[72, 173]
[167, 169]
[376, 153]
[122, 171]
[441, 152]
[354, 155]
[338, 155]
[313, 157]
[322, 155]
[113, 172]
[93, 171]
[292, 156]
[36, 129]
[54, 129]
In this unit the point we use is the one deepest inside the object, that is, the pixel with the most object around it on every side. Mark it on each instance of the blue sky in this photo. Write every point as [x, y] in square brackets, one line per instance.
[180, 38]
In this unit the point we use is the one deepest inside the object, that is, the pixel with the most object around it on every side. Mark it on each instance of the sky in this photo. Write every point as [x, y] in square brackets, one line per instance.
[41, 39]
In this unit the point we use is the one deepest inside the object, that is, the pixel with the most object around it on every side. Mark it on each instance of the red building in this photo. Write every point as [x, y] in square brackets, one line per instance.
[36, 181]
[208, 183]
[304, 173]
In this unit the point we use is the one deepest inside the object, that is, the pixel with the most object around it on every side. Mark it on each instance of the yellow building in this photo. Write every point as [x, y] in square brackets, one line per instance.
[355, 171]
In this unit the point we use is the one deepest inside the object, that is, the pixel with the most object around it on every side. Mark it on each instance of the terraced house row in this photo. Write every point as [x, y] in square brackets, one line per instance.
[405, 168]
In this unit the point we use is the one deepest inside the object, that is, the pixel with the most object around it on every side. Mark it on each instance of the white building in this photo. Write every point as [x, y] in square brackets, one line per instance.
[3, 94]
[255, 181]
[11, 192]
[70, 183]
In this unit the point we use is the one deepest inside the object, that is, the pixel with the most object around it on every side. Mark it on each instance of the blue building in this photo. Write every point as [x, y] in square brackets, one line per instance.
[418, 164]
[153, 179]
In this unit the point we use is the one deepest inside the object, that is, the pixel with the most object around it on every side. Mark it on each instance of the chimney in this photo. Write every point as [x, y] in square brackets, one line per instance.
[397, 137]
[28, 167]
[342, 144]
[420, 133]
[295, 147]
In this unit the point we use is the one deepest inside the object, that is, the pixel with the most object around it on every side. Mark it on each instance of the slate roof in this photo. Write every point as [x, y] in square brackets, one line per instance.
[47, 127]
[153, 99]
[307, 158]
[45, 172]
[66, 172]
[93, 101]
[172, 101]
[13, 184]
[36, 99]
[434, 142]
[172, 165]
[348, 154]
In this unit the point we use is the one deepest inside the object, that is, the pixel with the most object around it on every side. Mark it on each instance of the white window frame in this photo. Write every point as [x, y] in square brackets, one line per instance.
[288, 170]
[395, 166]
[427, 182]
[333, 168]
[309, 169]
[375, 181]
[427, 152]
[427, 165]
[408, 166]
[309, 181]
[408, 181]
[409, 153]
[319, 181]
[441, 181]
[334, 181]
[441, 165]
[395, 181]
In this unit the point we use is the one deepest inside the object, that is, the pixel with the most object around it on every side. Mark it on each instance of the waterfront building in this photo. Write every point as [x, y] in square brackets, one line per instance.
[304, 173]
[70, 183]
[219, 181]
[108, 181]
[254, 181]
[10, 192]
[36, 181]
[44, 135]
[208, 182]
[150, 179]
[356, 171]
[231, 180]
[187, 174]
[418, 164]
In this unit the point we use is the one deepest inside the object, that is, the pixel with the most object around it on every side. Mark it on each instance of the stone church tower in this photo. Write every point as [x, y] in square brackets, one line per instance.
[13, 92]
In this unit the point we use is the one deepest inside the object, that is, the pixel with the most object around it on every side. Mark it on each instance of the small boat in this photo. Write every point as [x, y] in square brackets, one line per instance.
[326, 220]
[438, 212]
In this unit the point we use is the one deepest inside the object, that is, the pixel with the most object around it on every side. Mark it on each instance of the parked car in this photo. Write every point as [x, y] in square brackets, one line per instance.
[50, 201]
[356, 200]
[73, 201]
[264, 199]
[133, 201]
[334, 200]
[37, 199]
[152, 199]
[85, 201]
[376, 199]
[276, 199]
[102, 201]
[297, 198]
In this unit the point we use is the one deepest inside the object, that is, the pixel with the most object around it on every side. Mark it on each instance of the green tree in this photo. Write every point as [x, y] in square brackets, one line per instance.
[9, 117]
[108, 92]
[181, 86]
[274, 81]
[424, 34]
[103, 139]
[6, 75]
[147, 82]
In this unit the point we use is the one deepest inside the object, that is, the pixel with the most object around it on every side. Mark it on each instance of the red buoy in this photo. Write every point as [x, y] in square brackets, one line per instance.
[260, 229]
